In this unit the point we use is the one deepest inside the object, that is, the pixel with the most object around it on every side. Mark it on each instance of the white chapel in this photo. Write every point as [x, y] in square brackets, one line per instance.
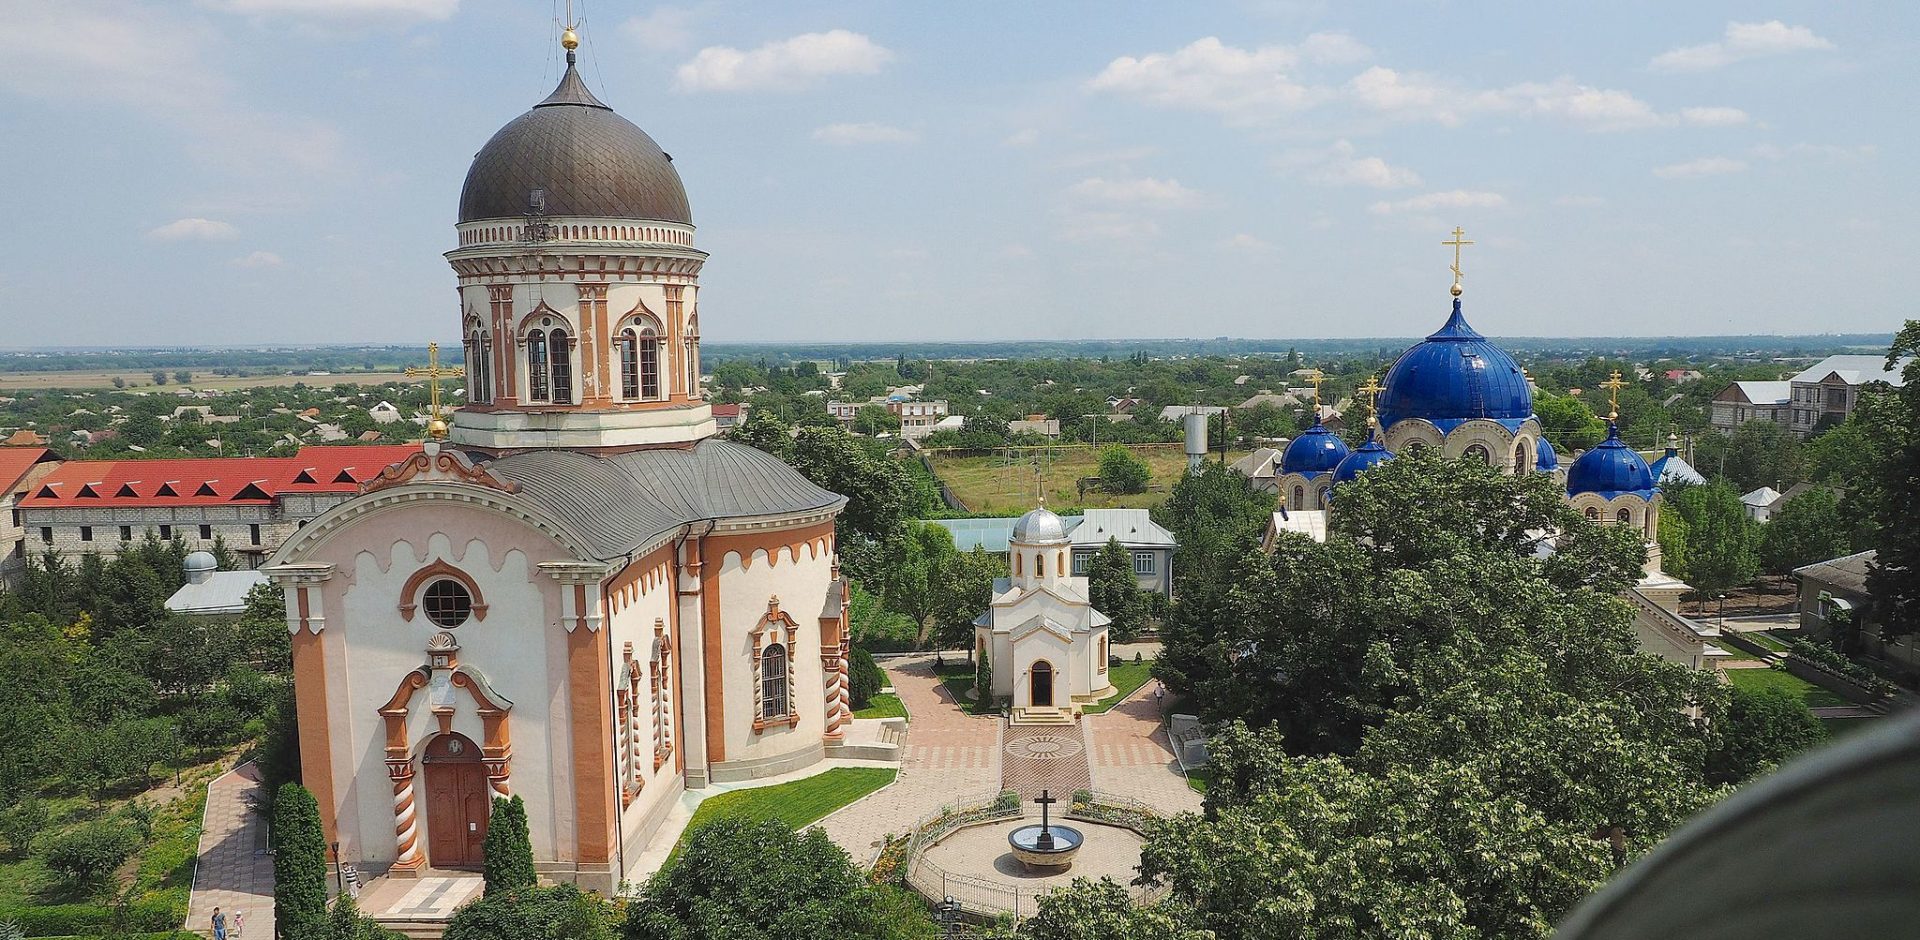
[1044, 644]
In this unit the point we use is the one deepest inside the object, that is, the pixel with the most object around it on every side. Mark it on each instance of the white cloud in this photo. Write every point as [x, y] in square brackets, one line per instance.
[1580, 202]
[1141, 192]
[1025, 137]
[1246, 242]
[1340, 165]
[664, 29]
[1713, 117]
[1741, 41]
[1112, 156]
[783, 65]
[1599, 109]
[1451, 199]
[258, 259]
[1209, 75]
[194, 230]
[1705, 166]
[866, 133]
[383, 10]
[1107, 226]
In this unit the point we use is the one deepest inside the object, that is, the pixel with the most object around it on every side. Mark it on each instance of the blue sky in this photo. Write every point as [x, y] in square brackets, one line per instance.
[253, 171]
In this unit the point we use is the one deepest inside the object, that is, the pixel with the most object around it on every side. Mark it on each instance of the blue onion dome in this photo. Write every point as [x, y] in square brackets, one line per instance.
[1456, 375]
[1368, 456]
[1611, 469]
[1316, 450]
[1547, 461]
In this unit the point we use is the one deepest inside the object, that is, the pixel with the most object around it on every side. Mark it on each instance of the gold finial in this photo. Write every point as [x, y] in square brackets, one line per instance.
[1613, 385]
[436, 425]
[569, 38]
[1372, 390]
[1315, 377]
[1459, 241]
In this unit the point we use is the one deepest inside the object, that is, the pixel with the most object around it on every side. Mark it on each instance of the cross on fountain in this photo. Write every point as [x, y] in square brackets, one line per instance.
[1046, 800]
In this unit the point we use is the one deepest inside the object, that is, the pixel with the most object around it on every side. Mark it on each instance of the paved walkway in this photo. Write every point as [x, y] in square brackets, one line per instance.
[233, 873]
[1131, 756]
[949, 756]
[1045, 757]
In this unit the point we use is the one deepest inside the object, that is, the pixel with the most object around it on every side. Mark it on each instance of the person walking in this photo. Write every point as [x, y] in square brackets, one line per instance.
[239, 924]
[219, 925]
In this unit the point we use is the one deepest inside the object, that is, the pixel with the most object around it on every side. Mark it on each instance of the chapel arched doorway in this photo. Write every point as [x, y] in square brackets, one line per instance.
[457, 802]
[1042, 685]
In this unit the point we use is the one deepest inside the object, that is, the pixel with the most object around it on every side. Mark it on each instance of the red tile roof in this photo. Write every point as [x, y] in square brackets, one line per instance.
[15, 462]
[726, 411]
[212, 480]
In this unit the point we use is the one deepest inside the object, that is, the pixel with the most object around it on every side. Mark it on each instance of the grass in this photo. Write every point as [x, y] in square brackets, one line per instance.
[957, 676]
[1199, 778]
[1126, 678]
[794, 804]
[883, 705]
[989, 486]
[1809, 694]
[1767, 640]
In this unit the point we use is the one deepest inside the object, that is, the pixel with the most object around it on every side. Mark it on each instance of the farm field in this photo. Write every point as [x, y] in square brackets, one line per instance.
[143, 379]
[1005, 484]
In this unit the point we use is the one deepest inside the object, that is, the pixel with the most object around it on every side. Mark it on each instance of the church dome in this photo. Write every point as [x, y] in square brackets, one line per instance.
[1316, 450]
[1455, 375]
[585, 159]
[1611, 469]
[1366, 457]
[1547, 461]
[1039, 525]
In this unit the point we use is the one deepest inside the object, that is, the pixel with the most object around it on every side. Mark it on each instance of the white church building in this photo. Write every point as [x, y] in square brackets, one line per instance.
[1044, 644]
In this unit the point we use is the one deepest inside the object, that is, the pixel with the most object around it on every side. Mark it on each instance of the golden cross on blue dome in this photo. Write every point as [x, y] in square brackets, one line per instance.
[1459, 241]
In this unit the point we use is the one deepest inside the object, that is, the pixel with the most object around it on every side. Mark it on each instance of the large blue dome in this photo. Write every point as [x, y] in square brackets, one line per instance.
[1316, 450]
[1456, 375]
[1611, 469]
[1368, 456]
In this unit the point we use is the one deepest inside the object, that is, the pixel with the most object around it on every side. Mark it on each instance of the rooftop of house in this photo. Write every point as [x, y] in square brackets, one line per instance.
[212, 480]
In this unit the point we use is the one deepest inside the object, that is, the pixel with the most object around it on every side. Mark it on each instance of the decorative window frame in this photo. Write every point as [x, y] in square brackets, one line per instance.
[775, 627]
[660, 674]
[439, 568]
[627, 741]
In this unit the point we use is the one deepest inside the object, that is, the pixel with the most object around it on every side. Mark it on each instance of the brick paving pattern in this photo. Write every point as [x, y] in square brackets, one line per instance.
[234, 872]
[1045, 757]
[1131, 756]
[949, 756]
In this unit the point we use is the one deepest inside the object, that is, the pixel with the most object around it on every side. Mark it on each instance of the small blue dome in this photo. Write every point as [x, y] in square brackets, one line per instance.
[1455, 375]
[1368, 456]
[1611, 469]
[1547, 461]
[1316, 450]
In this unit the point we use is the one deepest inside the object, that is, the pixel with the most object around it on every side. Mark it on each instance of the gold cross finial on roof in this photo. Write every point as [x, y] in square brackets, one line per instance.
[1613, 385]
[1459, 241]
[1315, 377]
[436, 425]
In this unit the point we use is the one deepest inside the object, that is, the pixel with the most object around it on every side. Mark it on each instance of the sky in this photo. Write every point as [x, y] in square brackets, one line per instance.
[287, 171]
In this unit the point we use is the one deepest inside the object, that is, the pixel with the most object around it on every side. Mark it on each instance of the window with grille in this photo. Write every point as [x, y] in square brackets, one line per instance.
[537, 386]
[561, 355]
[649, 366]
[629, 365]
[447, 602]
[1143, 563]
[773, 682]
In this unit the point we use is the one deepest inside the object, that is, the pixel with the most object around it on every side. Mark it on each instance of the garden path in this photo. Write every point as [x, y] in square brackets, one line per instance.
[234, 872]
[1132, 757]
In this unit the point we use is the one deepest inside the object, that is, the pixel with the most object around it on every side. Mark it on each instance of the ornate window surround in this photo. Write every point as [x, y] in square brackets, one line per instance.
[439, 568]
[775, 627]
[660, 674]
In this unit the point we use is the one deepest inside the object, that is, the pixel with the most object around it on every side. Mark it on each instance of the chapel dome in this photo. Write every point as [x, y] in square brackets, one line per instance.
[1316, 450]
[1547, 461]
[1039, 525]
[1611, 469]
[1367, 456]
[585, 159]
[1455, 375]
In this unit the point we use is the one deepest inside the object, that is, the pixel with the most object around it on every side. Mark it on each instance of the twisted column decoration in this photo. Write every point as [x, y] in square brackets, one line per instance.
[406, 828]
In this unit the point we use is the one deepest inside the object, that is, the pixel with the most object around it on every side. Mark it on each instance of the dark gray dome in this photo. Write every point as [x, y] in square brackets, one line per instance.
[588, 160]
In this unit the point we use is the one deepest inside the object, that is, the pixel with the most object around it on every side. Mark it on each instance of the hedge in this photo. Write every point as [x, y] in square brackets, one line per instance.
[47, 920]
[162, 935]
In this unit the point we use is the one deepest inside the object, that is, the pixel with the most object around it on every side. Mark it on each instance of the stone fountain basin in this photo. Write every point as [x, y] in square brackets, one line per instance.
[1027, 846]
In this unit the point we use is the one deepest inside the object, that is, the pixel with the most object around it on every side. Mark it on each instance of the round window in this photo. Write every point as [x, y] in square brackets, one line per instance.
[448, 603]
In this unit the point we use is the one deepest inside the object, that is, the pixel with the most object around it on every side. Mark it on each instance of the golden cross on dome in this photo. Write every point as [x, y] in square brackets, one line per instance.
[1613, 385]
[436, 426]
[1315, 377]
[1372, 390]
[1459, 241]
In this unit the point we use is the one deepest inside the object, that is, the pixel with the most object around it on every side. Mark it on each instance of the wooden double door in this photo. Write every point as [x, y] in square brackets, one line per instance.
[457, 803]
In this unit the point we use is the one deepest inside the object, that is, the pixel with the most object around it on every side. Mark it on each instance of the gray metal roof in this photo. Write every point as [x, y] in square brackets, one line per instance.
[1847, 572]
[223, 592]
[589, 161]
[620, 503]
[1133, 527]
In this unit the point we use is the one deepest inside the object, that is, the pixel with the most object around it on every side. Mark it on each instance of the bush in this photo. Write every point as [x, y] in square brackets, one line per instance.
[864, 678]
[560, 911]
[66, 920]
[1007, 801]
[1122, 472]
[983, 679]
[347, 923]
[508, 849]
[86, 855]
[211, 725]
[22, 823]
[299, 865]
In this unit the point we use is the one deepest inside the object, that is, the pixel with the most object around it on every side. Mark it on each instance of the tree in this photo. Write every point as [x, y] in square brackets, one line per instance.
[963, 587]
[1122, 472]
[1103, 910]
[1764, 727]
[1756, 454]
[159, 377]
[87, 854]
[183, 377]
[1807, 529]
[875, 419]
[762, 881]
[21, 823]
[508, 850]
[765, 431]
[1567, 422]
[1114, 590]
[1720, 538]
[299, 865]
[983, 677]
[864, 678]
[347, 923]
[119, 381]
[1894, 579]
[1217, 518]
[551, 913]
[910, 577]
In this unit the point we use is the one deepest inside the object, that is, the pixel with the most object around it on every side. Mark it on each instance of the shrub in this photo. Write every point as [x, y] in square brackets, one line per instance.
[983, 679]
[1007, 801]
[211, 725]
[1122, 472]
[347, 923]
[508, 848]
[66, 920]
[299, 865]
[864, 678]
[562, 910]
[140, 813]
[22, 823]
[86, 855]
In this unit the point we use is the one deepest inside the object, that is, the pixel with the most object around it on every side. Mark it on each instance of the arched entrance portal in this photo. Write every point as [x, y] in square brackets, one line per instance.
[1042, 685]
[457, 803]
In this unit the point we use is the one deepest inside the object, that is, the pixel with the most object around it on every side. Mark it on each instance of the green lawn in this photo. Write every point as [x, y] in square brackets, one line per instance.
[1005, 485]
[1126, 677]
[796, 804]
[1812, 695]
[957, 676]
[1767, 640]
[1199, 778]
[883, 705]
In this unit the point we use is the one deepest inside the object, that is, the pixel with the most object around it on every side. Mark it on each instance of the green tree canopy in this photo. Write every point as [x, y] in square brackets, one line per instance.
[1123, 472]
[1808, 529]
[508, 849]
[299, 865]
[1894, 579]
[1114, 590]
